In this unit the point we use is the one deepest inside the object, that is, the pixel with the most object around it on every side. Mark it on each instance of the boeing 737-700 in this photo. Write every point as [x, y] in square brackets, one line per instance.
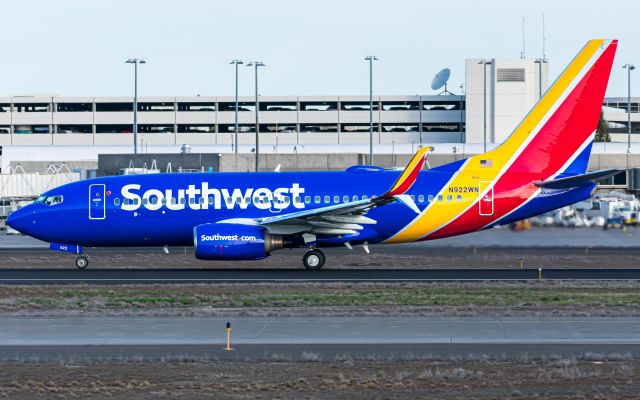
[246, 216]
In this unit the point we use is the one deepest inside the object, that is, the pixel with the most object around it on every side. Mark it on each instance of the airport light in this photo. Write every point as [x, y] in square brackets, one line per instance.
[629, 68]
[236, 62]
[257, 64]
[463, 138]
[484, 101]
[371, 59]
[135, 62]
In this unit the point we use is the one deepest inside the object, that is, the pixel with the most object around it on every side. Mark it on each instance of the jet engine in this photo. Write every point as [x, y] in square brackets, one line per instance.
[234, 242]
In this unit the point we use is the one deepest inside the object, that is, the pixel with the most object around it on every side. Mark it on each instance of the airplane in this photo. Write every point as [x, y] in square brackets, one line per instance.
[246, 216]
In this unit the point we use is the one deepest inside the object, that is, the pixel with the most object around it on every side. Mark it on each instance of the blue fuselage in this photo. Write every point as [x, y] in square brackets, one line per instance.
[113, 211]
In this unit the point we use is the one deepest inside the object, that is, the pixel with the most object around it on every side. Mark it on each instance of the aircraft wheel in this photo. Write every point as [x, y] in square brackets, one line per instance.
[313, 260]
[82, 262]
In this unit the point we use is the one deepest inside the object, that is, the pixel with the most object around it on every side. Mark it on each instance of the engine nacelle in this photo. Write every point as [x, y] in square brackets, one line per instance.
[233, 242]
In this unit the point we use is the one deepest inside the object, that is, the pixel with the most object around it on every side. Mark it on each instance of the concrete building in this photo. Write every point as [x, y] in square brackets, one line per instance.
[332, 120]
[501, 92]
[38, 130]
[615, 113]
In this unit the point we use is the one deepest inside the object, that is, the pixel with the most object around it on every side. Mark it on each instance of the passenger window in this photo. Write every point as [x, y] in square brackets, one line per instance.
[285, 201]
[201, 200]
[364, 197]
[327, 199]
[144, 202]
[298, 199]
[345, 199]
[440, 197]
[354, 198]
[420, 199]
[430, 198]
[164, 201]
[316, 199]
[183, 200]
[116, 201]
[459, 197]
[210, 200]
[307, 199]
[449, 197]
[336, 199]
[413, 197]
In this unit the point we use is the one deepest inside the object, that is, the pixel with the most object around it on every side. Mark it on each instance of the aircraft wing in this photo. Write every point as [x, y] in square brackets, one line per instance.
[345, 218]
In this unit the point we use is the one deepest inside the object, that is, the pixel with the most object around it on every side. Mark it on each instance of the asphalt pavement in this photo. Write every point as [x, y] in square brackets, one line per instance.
[189, 275]
[316, 337]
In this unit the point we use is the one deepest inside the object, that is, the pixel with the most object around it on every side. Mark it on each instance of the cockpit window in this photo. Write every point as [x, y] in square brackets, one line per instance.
[50, 200]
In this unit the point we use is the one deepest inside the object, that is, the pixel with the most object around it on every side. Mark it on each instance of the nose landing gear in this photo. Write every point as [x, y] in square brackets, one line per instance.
[313, 260]
[82, 262]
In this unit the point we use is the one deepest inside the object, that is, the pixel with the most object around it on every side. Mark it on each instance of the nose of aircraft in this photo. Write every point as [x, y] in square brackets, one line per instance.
[21, 220]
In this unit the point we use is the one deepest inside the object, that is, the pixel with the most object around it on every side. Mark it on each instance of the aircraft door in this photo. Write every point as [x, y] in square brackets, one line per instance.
[485, 205]
[97, 201]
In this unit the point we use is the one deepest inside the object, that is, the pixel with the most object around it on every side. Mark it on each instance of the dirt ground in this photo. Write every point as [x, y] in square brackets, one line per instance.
[382, 256]
[566, 379]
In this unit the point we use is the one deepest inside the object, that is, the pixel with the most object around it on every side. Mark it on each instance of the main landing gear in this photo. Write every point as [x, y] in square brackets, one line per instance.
[313, 260]
[82, 262]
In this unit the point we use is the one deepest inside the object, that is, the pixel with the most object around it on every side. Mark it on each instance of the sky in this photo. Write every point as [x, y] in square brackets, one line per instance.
[78, 47]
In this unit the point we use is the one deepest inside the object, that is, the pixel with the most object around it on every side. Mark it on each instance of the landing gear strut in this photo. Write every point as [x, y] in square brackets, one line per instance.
[313, 260]
[82, 262]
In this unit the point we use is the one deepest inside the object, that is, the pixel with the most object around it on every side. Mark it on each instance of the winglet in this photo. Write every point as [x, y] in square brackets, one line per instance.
[409, 175]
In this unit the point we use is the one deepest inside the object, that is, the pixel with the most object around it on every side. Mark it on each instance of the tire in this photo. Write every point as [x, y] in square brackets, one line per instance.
[313, 260]
[82, 262]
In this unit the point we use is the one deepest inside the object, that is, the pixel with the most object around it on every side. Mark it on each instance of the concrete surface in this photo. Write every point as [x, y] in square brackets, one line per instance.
[17, 331]
[104, 276]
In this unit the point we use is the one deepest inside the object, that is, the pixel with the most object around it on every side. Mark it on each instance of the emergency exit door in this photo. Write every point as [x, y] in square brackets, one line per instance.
[485, 205]
[97, 202]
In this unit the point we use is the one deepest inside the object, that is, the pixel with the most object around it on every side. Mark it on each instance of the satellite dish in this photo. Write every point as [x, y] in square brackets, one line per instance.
[441, 79]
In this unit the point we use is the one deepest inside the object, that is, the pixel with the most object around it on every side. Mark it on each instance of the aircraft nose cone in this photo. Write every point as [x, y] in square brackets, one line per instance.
[20, 220]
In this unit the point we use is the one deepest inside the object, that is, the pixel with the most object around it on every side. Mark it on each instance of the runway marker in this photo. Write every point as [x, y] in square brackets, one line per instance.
[539, 274]
[521, 262]
[228, 329]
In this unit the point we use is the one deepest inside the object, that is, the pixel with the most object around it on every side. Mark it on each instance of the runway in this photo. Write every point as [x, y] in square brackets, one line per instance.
[189, 275]
[55, 339]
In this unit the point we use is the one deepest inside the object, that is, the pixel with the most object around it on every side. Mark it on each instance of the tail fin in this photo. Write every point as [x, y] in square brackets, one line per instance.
[557, 133]
[554, 137]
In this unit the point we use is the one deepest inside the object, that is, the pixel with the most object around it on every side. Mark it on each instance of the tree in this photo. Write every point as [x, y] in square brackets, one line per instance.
[602, 133]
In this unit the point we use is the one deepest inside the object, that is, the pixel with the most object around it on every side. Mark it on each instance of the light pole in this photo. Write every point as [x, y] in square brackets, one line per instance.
[462, 136]
[484, 101]
[371, 59]
[256, 64]
[235, 140]
[135, 62]
[629, 68]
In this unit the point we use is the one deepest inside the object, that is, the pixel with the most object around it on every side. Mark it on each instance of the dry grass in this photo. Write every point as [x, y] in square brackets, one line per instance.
[604, 298]
[564, 378]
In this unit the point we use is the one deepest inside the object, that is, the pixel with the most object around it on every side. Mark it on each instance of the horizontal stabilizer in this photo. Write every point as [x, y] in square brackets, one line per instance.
[577, 180]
